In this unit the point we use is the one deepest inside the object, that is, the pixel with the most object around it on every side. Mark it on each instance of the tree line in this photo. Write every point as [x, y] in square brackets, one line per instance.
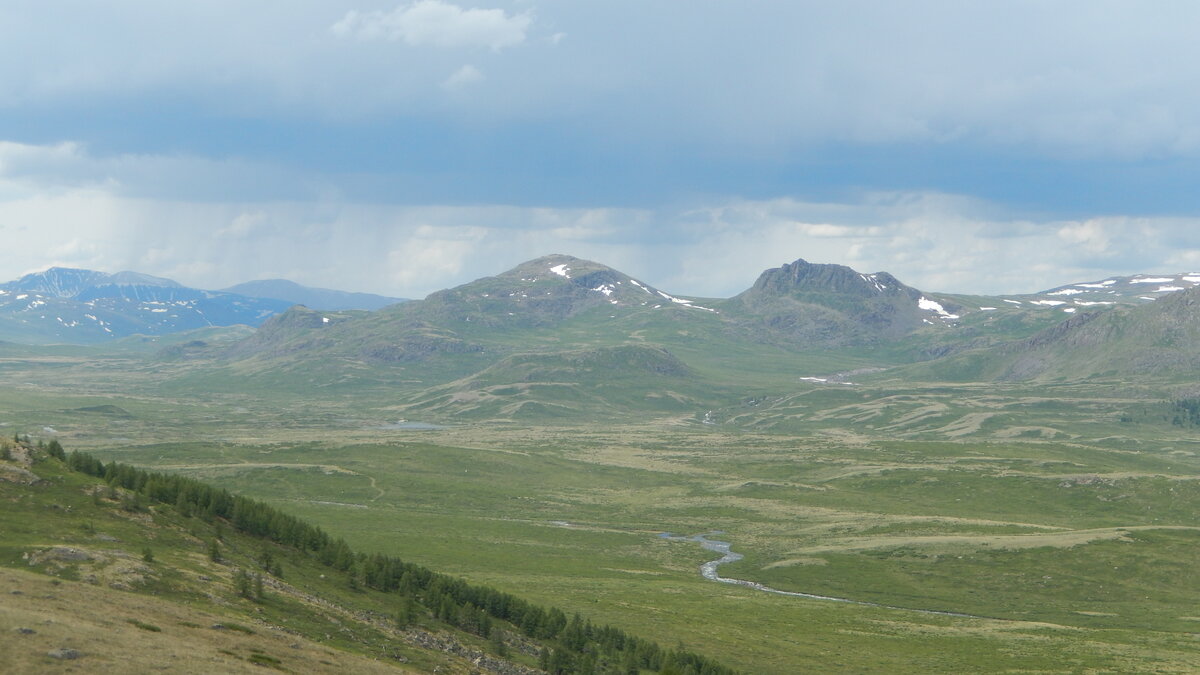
[1187, 412]
[570, 645]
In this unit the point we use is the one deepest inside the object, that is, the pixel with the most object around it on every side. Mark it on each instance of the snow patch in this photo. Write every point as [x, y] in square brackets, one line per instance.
[324, 319]
[1069, 310]
[870, 278]
[1189, 279]
[685, 303]
[1015, 302]
[1142, 297]
[635, 283]
[561, 270]
[1048, 303]
[814, 379]
[987, 309]
[930, 305]
[1067, 291]
[606, 289]
[1168, 289]
[1085, 303]
[22, 296]
[1152, 280]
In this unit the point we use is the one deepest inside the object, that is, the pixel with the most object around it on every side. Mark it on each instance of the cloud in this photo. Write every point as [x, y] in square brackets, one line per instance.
[712, 247]
[438, 24]
[463, 77]
[1089, 235]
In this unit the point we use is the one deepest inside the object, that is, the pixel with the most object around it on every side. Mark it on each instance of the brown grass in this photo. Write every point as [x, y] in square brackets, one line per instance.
[95, 621]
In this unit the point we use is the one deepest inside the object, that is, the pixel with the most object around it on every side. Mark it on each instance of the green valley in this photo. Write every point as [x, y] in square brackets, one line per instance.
[976, 521]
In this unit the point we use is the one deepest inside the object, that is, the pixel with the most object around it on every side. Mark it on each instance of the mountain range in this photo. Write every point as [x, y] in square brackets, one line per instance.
[75, 306]
[560, 336]
[565, 338]
[316, 298]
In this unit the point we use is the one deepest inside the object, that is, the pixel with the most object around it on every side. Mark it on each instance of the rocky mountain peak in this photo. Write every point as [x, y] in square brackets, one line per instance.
[802, 276]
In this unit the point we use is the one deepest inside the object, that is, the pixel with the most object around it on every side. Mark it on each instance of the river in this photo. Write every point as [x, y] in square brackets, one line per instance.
[709, 571]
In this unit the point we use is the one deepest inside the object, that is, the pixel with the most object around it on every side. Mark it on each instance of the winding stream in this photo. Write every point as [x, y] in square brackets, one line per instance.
[709, 571]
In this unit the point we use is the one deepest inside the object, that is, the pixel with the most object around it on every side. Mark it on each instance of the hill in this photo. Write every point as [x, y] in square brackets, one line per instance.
[315, 298]
[833, 305]
[121, 569]
[1153, 341]
[1133, 290]
[581, 384]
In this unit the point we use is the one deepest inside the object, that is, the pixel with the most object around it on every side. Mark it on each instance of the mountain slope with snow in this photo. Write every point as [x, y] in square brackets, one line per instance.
[833, 305]
[83, 306]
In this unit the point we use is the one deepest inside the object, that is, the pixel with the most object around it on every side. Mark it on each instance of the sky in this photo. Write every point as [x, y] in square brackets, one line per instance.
[404, 147]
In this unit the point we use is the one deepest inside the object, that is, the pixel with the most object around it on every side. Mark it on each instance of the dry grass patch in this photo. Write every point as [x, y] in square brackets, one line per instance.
[96, 622]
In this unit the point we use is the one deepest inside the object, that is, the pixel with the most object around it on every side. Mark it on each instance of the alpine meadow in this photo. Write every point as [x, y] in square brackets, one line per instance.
[537, 337]
[906, 481]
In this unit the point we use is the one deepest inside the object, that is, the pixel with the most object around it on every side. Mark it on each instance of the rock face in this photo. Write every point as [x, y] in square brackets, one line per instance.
[833, 305]
[802, 277]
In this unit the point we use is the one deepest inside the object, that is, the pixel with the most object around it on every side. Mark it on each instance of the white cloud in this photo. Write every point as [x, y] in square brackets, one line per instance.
[1089, 235]
[828, 230]
[932, 241]
[438, 24]
[463, 77]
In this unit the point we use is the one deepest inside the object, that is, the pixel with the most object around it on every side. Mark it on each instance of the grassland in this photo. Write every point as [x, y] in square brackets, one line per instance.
[134, 590]
[1066, 515]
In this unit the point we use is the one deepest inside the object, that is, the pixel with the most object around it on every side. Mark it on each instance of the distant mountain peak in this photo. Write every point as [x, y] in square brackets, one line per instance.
[69, 282]
[834, 304]
[316, 298]
[547, 290]
[555, 265]
[64, 304]
[805, 277]
[1135, 289]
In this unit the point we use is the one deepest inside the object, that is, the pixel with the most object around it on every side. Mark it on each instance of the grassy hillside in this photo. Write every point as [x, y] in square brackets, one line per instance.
[233, 580]
[1152, 342]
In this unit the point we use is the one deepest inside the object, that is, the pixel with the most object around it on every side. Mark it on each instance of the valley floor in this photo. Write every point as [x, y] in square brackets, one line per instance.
[1068, 517]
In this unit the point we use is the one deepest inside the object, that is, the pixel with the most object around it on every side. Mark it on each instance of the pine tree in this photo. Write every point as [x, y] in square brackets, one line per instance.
[496, 644]
[242, 583]
[406, 613]
[183, 506]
